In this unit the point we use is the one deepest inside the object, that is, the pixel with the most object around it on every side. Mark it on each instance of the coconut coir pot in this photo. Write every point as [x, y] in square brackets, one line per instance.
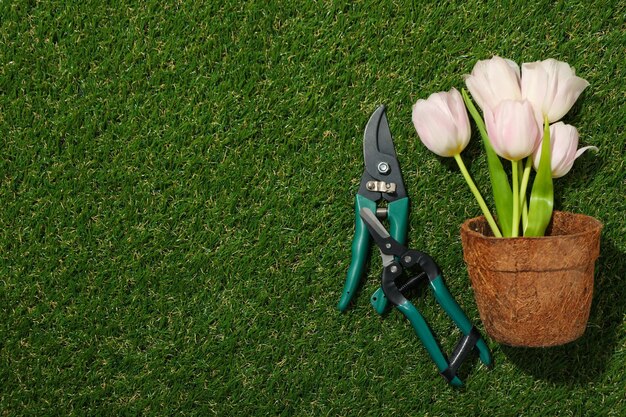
[533, 291]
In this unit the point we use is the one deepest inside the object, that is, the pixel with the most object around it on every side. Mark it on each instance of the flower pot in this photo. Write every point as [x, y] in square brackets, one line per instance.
[533, 291]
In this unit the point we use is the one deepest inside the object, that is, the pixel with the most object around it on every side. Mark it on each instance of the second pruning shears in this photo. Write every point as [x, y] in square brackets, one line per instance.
[398, 264]
[381, 180]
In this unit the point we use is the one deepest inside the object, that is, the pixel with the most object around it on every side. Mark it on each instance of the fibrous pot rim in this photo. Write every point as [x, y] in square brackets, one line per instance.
[594, 226]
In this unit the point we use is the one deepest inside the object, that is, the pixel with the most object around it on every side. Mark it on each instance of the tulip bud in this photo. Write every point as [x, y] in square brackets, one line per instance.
[563, 144]
[441, 122]
[493, 81]
[513, 129]
[552, 87]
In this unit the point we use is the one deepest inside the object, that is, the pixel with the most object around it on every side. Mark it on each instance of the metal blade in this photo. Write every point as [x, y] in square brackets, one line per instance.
[385, 141]
[378, 232]
[377, 136]
[374, 225]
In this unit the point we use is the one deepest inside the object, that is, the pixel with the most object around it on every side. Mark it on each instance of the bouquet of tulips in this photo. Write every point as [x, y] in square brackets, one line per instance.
[521, 124]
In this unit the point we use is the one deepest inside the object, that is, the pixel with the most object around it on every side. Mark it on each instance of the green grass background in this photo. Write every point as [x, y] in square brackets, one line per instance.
[176, 206]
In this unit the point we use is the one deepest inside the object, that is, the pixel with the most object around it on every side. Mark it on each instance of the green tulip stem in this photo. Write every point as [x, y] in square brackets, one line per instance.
[479, 198]
[516, 192]
[523, 188]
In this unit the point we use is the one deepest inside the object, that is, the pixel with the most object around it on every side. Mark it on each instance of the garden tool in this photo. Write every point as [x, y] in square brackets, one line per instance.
[398, 259]
[381, 181]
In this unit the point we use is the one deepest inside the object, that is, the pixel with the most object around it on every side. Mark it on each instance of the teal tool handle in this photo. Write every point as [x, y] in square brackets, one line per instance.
[423, 332]
[360, 246]
[398, 215]
[444, 298]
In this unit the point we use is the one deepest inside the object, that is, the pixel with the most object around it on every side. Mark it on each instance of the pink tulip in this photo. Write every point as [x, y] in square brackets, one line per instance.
[442, 124]
[552, 87]
[563, 143]
[513, 129]
[493, 81]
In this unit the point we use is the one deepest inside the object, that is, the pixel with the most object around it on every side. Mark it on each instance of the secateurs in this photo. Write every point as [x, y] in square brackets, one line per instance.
[382, 180]
[397, 259]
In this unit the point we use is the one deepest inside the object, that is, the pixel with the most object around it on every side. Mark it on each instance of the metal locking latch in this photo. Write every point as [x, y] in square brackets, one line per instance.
[381, 186]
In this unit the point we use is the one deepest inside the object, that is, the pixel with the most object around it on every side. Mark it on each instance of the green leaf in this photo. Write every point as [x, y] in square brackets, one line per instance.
[542, 194]
[502, 193]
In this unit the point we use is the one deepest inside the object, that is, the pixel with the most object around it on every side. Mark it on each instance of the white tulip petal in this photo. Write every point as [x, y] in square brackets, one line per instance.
[514, 67]
[584, 149]
[534, 85]
[475, 88]
[493, 81]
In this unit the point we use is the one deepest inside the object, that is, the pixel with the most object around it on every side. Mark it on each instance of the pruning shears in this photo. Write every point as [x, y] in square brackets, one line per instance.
[398, 259]
[382, 180]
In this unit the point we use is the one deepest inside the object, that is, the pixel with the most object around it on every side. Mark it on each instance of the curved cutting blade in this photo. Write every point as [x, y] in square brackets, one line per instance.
[377, 136]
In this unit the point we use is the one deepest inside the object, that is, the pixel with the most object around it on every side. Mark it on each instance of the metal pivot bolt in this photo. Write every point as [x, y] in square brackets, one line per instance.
[383, 167]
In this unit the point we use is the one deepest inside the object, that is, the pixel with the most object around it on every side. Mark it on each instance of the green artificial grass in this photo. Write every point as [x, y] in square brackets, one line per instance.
[176, 206]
